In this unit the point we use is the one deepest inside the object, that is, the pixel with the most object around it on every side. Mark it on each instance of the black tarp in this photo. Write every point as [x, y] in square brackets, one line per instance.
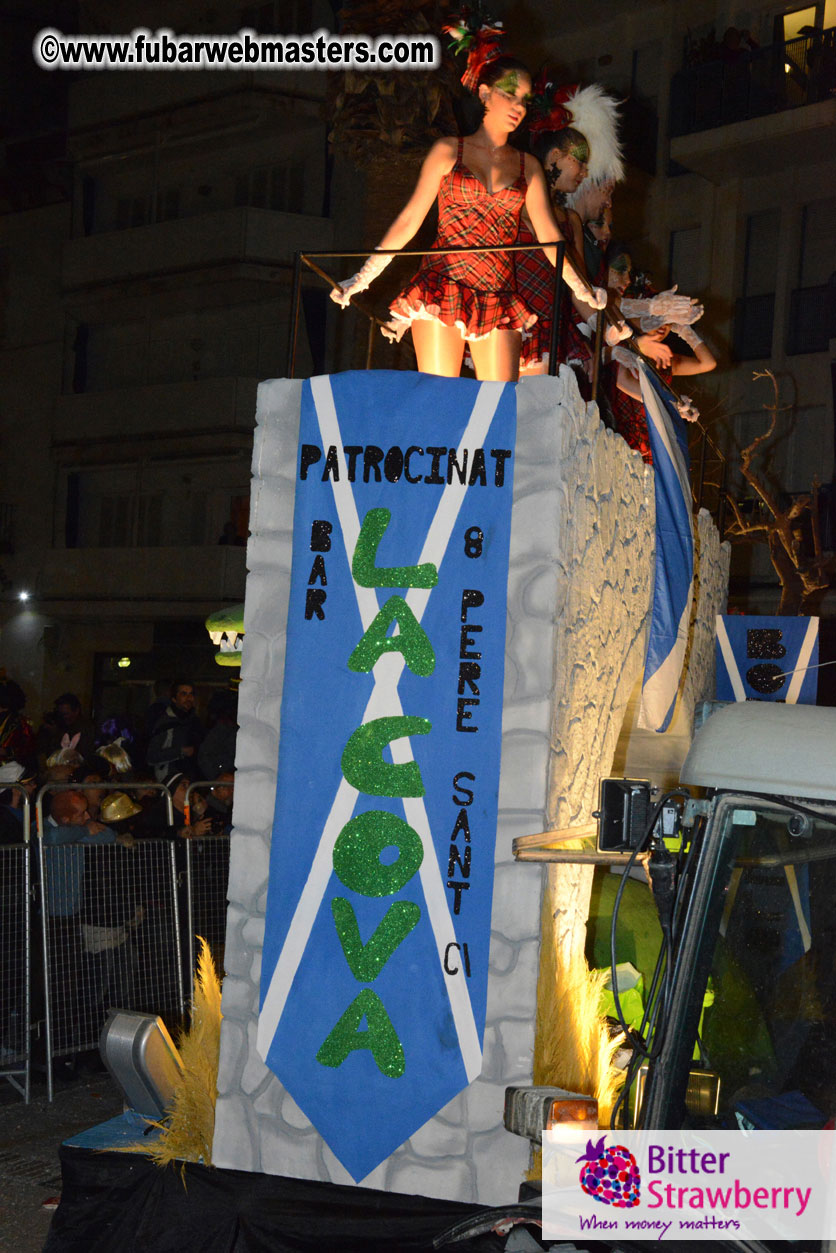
[123, 1203]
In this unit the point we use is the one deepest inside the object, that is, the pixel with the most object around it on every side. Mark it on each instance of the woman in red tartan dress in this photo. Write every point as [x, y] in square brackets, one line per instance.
[474, 292]
[627, 406]
[565, 157]
[574, 133]
[482, 184]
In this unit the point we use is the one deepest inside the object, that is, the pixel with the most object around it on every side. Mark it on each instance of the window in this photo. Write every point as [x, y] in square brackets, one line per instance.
[812, 322]
[279, 187]
[154, 504]
[138, 210]
[684, 260]
[793, 24]
[767, 1033]
[755, 310]
[640, 112]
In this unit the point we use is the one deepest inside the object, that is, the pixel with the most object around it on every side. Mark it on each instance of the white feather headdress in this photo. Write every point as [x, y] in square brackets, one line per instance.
[595, 115]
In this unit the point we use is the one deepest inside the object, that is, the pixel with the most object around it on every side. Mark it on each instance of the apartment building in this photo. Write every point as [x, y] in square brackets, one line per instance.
[147, 293]
[730, 117]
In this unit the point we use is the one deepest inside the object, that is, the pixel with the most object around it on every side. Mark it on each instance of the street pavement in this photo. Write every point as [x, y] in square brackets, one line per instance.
[30, 1135]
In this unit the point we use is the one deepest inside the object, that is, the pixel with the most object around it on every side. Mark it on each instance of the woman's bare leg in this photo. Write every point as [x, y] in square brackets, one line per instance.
[497, 357]
[438, 348]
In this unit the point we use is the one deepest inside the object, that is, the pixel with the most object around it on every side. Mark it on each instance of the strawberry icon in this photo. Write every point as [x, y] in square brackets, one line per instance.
[610, 1175]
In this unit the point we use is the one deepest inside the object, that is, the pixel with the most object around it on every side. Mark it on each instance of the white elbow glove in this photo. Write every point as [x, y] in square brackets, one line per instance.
[688, 334]
[595, 297]
[667, 305]
[687, 409]
[626, 358]
[358, 282]
[614, 332]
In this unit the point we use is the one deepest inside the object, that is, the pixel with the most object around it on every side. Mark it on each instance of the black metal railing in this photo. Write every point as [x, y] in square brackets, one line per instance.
[758, 81]
[709, 471]
[309, 259]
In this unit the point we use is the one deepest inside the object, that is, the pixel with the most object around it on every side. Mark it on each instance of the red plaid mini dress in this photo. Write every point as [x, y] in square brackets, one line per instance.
[472, 291]
[535, 284]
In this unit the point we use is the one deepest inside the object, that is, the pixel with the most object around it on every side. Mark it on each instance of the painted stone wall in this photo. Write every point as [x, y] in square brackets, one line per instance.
[579, 588]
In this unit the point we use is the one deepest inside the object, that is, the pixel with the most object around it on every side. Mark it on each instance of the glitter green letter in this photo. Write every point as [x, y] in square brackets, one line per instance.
[380, 1038]
[357, 850]
[362, 760]
[367, 960]
[412, 640]
[362, 564]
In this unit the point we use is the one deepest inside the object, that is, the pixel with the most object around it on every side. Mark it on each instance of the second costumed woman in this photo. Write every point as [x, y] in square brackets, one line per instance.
[574, 134]
[482, 185]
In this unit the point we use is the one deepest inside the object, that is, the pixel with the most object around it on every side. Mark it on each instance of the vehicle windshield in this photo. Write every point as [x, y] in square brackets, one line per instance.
[766, 1054]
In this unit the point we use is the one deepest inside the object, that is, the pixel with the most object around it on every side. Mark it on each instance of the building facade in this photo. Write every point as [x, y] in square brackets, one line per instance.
[729, 118]
[146, 294]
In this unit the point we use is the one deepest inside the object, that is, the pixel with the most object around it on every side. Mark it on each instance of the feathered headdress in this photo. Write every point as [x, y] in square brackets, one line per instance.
[477, 34]
[595, 114]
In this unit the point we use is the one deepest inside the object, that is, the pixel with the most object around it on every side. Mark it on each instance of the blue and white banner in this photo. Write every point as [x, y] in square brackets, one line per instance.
[767, 658]
[375, 965]
[673, 577]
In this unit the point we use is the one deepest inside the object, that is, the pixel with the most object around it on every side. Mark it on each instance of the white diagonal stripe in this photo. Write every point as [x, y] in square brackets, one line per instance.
[729, 660]
[384, 700]
[660, 691]
[805, 653]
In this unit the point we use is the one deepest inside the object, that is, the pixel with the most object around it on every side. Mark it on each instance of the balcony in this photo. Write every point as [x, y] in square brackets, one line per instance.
[99, 100]
[778, 102]
[205, 407]
[188, 575]
[232, 239]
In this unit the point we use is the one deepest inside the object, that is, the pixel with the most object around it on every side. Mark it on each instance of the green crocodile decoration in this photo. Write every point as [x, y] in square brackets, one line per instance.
[226, 630]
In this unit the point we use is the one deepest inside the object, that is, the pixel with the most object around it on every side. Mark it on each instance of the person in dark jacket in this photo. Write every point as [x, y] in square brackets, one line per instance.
[177, 735]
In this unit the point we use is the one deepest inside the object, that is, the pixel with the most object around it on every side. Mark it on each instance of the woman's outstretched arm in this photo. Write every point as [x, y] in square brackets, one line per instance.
[439, 161]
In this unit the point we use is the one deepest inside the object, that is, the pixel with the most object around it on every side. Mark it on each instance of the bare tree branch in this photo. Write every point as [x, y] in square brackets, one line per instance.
[803, 577]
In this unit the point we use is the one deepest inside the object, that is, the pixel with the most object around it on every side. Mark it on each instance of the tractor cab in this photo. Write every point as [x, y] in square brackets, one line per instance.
[748, 1031]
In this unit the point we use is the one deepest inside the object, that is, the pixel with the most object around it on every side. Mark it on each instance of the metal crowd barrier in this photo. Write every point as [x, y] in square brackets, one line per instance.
[207, 878]
[15, 961]
[117, 929]
[110, 931]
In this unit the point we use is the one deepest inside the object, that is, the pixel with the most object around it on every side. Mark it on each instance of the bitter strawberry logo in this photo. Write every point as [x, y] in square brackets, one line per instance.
[610, 1175]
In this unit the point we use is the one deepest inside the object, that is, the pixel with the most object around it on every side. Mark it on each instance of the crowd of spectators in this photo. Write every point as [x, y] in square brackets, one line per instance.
[114, 935]
[174, 747]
